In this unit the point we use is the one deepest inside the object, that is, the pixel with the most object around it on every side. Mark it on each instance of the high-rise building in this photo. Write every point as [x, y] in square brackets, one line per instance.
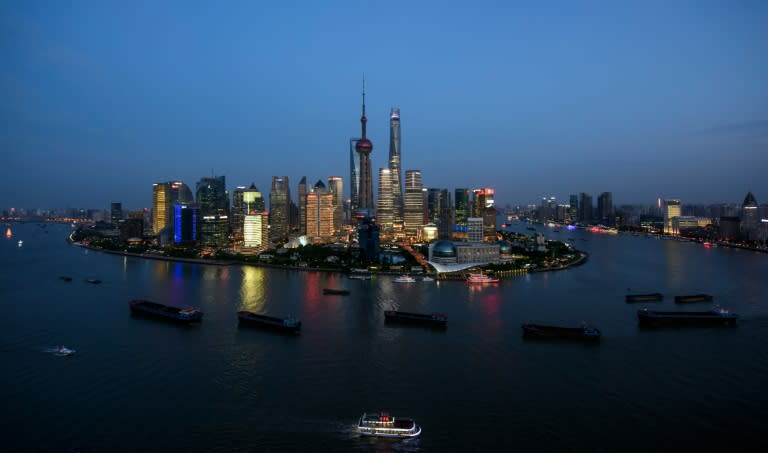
[319, 214]
[394, 162]
[255, 233]
[364, 148]
[214, 230]
[245, 201]
[475, 229]
[303, 205]
[413, 210]
[573, 208]
[585, 209]
[116, 213]
[605, 208]
[462, 209]
[671, 210]
[750, 218]
[336, 187]
[164, 196]
[279, 208]
[445, 219]
[212, 197]
[354, 175]
[385, 204]
[185, 219]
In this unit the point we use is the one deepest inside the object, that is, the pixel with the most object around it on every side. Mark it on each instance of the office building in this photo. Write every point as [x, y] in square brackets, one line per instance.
[413, 210]
[671, 210]
[605, 209]
[279, 208]
[354, 175]
[394, 162]
[245, 201]
[385, 204]
[185, 219]
[213, 201]
[585, 209]
[302, 196]
[319, 214]
[255, 233]
[115, 213]
[336, 188]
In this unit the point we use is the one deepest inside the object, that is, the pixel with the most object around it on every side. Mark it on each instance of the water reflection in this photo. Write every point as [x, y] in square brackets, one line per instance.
[253, 289]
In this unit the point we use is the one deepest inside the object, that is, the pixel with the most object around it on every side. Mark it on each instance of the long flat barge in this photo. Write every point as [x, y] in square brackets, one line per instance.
[431, 319]
[289, 324]
[651, 297]
[715, 317]
[166, 312]
[584, 332]
[693, 298]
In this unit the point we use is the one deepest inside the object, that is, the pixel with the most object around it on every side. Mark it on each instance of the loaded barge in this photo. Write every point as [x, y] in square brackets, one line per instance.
[585, 332]
[433, 319]
[715, 317]
[652, 297]
[693, 298]
[289, 324]
[166, 312]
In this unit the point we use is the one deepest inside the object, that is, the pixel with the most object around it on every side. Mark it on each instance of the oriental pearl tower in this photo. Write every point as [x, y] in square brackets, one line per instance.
[364, 148]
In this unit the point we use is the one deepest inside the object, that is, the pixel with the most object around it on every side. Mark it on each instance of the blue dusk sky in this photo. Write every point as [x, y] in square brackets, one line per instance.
[645, 99]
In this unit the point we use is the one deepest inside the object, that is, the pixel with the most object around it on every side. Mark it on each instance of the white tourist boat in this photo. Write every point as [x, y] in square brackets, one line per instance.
[405, 279]
[481, 278]
[385, 425]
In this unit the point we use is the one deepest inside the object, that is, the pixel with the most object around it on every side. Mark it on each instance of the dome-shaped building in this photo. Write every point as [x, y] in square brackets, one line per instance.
[505, 248]
[443, 252]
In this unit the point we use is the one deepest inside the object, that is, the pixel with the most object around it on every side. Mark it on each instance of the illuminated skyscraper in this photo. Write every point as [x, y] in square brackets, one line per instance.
[164, 196]
[319, 214]
[394, 162]
[336, 187]
[212, 197]
[185, 224]
[671, 210]
[364, 148]
[279, 208]
[246, 201]
[255, 233]
[384, 205]
[303, 205]
[413, 210]
[462, 209]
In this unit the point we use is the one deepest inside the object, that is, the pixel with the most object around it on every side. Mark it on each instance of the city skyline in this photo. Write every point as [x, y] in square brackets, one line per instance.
[644, 101]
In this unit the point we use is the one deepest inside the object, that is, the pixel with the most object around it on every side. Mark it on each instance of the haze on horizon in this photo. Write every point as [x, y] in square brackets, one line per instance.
[100, 100]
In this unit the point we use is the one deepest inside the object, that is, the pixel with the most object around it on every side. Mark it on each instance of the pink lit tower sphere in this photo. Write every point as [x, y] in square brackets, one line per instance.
[364, 148]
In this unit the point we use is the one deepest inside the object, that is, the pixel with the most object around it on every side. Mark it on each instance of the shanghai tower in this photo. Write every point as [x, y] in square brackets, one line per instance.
[364, 148]
[394, 162]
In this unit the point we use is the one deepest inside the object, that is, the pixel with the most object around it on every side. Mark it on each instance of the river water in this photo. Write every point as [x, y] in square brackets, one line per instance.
[137, 384]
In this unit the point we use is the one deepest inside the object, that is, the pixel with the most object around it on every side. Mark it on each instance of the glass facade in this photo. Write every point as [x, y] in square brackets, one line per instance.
[394, 162]
[385, 204]
[279, 207]
[413, 211]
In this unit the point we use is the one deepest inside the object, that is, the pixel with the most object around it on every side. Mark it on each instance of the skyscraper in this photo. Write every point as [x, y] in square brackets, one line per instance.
[413, 210]
[671, 210]
[164, 196]
[245, 201]
[211, 195]
[279, 208]
[303, 205]
[585, 209]
[364, 148]
[336, 187]
[750, 219]
[605, 208]
[384, 207]
[394, 162]
[319, 214]
[462, 209]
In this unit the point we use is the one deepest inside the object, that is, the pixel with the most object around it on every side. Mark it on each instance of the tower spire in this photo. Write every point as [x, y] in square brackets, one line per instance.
[363, 119]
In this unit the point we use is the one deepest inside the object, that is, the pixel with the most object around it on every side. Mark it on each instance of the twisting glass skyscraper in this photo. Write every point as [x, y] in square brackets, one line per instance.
[394, 162]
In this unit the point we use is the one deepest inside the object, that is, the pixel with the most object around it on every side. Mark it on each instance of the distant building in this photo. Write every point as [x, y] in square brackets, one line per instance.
[730, 228]
[213, 202]
[750, 218]
[368, 240]
[461, 200]
[302, 196]
[336, 188]
[186, 218]
[214, 231]
[448, 252]
[116, 213]
[671, 210]
[255, 233]
[319, 209]
[364, 147]
[279, 208]
[605, 209]
[245, 201]
[413, 211]
[354, 176]
[385, 214]
[585, 209]
[682, 224]
[165, 195]
[395, 159]
[475, 229]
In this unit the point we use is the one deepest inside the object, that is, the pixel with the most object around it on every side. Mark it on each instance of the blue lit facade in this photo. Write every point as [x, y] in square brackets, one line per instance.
[185, 224]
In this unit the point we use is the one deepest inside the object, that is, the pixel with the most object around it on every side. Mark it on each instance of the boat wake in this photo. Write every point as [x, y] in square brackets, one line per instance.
[60, 351]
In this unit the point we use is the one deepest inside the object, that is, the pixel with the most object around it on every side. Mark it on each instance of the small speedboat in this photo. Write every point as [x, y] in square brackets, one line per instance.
[63, 350]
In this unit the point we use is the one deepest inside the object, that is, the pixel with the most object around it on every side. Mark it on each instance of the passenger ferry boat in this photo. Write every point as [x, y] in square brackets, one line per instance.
[385, 425]
[405, 279]
[481, 278]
